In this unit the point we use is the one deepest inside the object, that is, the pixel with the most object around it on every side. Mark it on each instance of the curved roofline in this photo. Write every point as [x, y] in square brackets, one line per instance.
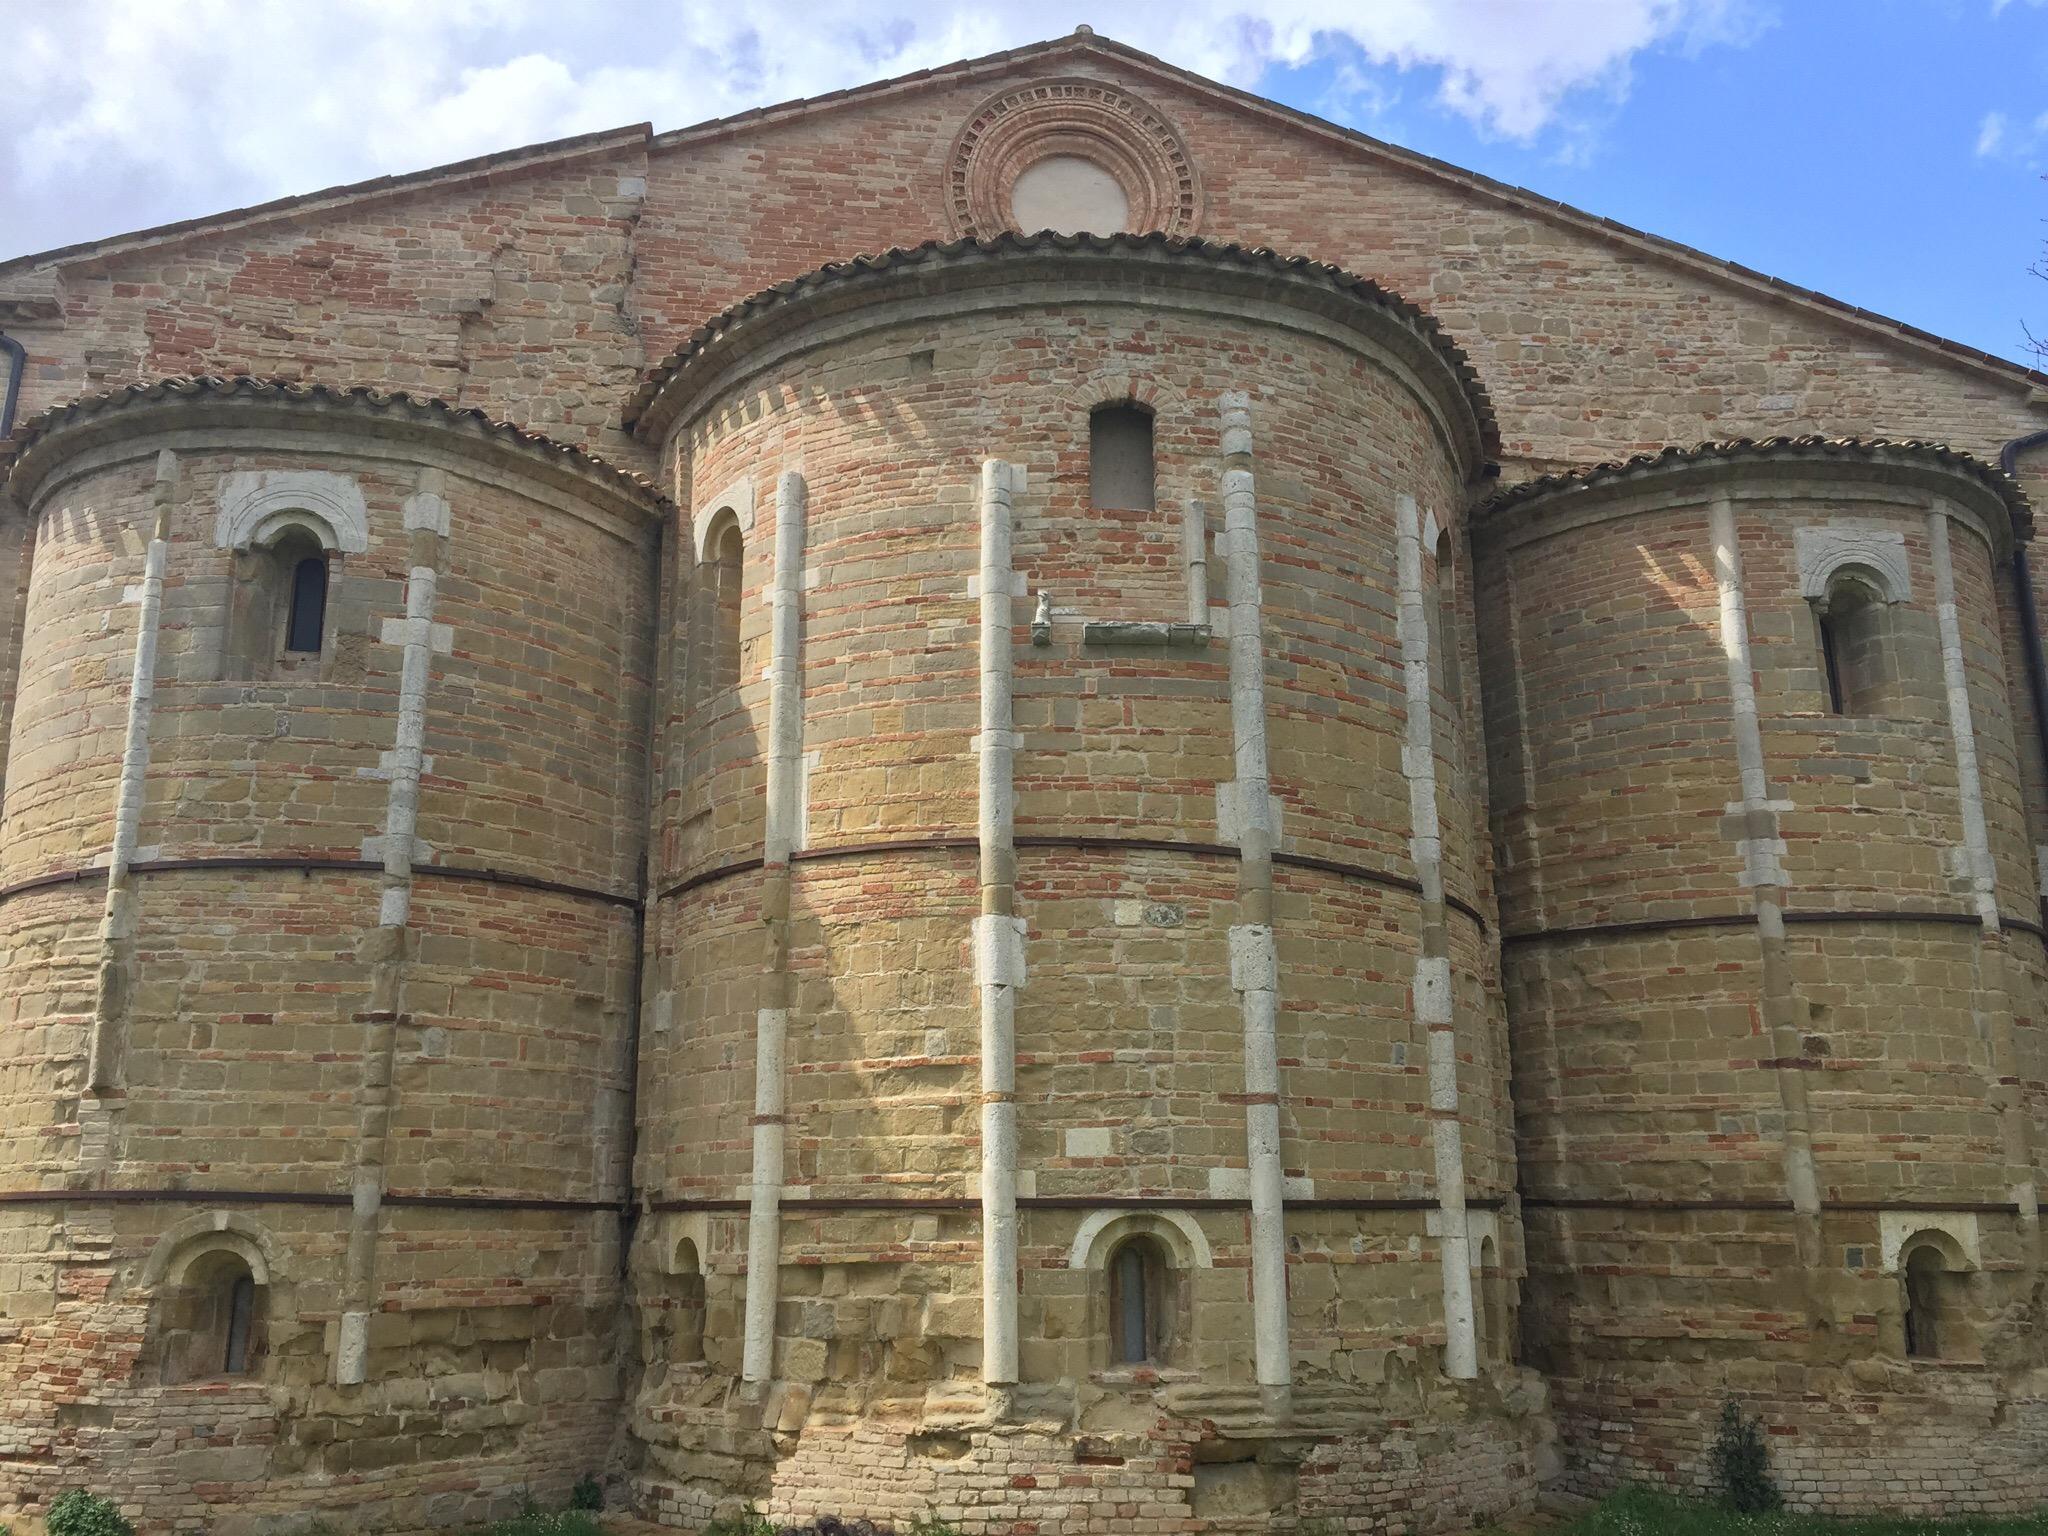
[1921, 454]
[643, 412]
[464, 422]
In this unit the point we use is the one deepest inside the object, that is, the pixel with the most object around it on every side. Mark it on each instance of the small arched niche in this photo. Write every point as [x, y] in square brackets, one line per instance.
[685, 1300]
[1934, 1285]
[669, 1300]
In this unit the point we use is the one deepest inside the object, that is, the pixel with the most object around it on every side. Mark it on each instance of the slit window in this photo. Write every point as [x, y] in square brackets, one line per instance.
[1120, 459]
[1854, 634]
[241, 1316]
[307, 619]
[1443, 620]
[728, 556]
[1137, 1303]
[1492, 1312]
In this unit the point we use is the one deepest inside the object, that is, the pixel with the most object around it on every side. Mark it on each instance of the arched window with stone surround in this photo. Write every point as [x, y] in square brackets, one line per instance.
[213, 1283]
[1121, 465]
[211, 1320]
[288, 534]
[1142, 1269]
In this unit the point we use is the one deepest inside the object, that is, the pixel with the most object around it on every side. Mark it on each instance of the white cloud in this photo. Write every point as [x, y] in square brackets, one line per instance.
[2017, 143]
[126, 112]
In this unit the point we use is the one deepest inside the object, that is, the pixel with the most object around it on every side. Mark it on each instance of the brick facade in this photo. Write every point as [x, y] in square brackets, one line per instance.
[1636, 1016]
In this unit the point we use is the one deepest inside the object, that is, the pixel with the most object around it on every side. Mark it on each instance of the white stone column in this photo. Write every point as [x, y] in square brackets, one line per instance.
[1254, 961]
[117, 922]
[427, 525]
[1754, 824]
[998, 930]
[1995, 979]
[782, 834]
[1432, 978]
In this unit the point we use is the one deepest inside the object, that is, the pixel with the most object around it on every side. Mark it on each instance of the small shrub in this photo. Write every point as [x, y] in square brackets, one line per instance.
[928, 1525]
[1742, 1464]
[748, 1522]
[79, 1513]
[588, 1494]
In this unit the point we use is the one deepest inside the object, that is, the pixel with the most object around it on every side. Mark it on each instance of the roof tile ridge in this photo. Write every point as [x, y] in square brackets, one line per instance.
[255, 386]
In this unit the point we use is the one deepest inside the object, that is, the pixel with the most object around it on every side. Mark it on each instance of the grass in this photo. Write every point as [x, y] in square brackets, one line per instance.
[1636, 1513]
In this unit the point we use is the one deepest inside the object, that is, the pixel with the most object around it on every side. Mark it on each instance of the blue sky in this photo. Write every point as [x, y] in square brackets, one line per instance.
[1834, 145]
[1888, 152]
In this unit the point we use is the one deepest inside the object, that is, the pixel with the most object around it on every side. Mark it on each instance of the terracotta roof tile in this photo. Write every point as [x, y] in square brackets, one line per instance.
[1364, 289]
[1996, 480]
[466, 419]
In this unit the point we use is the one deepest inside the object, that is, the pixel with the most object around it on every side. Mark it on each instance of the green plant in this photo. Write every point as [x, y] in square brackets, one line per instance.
[927, 1525]
[567, 1522]
[1742, 1464]
[748, 1522]
[79, 1513]
[587, 1494]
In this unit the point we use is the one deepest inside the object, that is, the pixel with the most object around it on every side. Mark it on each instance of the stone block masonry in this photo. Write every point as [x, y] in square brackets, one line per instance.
[1369, 966]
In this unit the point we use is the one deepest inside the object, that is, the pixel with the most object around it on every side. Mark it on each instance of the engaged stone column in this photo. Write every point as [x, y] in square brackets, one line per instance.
[1753, 822]
[117, 926]
[1432, 983]
[386, 946]
[1254, 963]
[998, 932]
[779, 838]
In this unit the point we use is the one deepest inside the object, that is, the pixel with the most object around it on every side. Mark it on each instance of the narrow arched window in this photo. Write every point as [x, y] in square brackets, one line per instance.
[241, 1316]
[1854, 632]
[1443, 614]
[1120, 462]
[1492, 1312]
[1137, 1303]
[728, 559]
[211, 1320]
[1925, 1280]
[307, 619]
[687, 1339]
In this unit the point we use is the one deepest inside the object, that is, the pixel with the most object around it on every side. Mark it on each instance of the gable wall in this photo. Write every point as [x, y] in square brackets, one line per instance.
[507, 294]
[522, 292]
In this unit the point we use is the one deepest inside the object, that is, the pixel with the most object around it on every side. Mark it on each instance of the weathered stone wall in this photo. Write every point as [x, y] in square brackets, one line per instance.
[248, 1106]
[1645, 1062]
[1676, 1261]
[1130, 1041]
